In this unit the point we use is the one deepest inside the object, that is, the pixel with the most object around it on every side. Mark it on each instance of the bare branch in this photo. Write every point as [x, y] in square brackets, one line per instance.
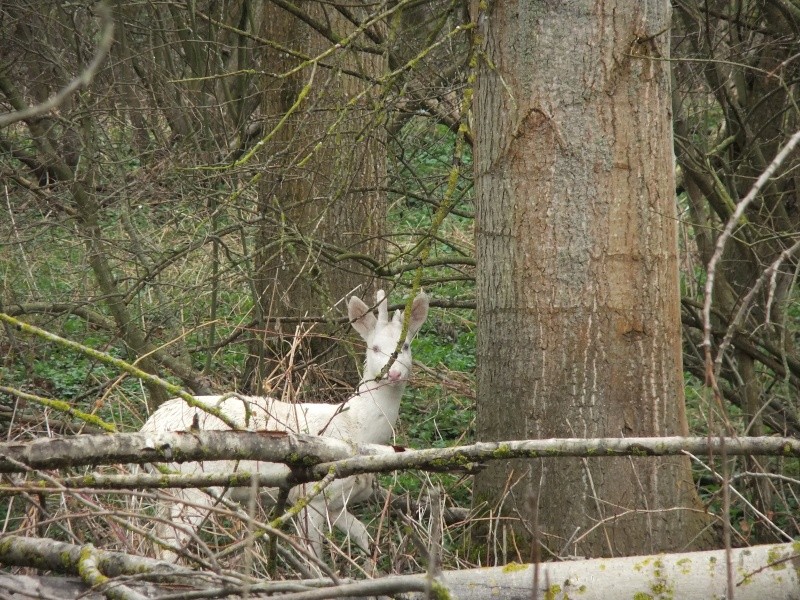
[466, 457]
[733, 221]
[81, 81]
[290, 449]
[329, 455]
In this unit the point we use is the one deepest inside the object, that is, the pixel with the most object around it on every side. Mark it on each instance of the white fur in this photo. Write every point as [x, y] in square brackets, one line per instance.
[369, 416]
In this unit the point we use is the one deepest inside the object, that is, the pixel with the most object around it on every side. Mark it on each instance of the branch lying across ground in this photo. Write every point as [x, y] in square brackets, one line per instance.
[61, 557]
[106, 358]
[315, 457]
[767, 571]
[181, 370]
[467, 458]
[293, 450]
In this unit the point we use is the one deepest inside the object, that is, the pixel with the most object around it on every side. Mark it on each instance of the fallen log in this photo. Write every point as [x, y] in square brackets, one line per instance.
[758, 573]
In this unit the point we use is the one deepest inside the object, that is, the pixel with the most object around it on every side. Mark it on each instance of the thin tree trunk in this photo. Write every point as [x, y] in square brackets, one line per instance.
[87, 211]
[326, 165]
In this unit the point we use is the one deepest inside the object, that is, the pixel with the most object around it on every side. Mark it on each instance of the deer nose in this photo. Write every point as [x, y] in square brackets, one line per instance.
[394, 375]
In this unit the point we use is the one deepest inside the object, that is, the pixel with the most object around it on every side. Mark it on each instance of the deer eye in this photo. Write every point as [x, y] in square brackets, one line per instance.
[376, 348]
[405, 347]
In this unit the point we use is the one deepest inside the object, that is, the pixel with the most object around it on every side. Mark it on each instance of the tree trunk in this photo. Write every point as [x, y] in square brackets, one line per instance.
[577, 283]
[320, 191]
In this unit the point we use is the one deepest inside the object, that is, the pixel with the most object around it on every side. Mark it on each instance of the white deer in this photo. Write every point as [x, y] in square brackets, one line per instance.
[368, 416]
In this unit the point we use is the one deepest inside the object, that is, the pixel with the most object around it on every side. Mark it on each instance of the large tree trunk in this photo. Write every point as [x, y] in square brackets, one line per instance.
[577, 285]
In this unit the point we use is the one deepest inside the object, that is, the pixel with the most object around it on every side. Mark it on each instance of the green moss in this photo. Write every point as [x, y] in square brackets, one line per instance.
[300, 460]
[641, 565]
[746, 578]
[502, 451]
[66, 561]
[642, 596]
[685, 565]
[662, 588]
[795, 560]
[457, 460]
[513, 567]
[552, 592]
[440, 592]
[775, 558]
[90, 574]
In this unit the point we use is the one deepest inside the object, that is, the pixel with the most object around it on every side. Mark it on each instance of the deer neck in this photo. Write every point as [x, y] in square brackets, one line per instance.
[376, 406]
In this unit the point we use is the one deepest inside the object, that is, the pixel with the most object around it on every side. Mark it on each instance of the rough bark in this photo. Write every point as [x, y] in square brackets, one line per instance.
[577, 285]
[291, 449]
[319, 456]
[320, 189]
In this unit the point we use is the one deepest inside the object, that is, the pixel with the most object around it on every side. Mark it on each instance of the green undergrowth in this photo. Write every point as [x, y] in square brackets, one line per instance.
[53, 372]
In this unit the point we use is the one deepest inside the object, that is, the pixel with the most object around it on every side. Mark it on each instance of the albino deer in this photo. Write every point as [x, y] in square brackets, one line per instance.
[368, 416]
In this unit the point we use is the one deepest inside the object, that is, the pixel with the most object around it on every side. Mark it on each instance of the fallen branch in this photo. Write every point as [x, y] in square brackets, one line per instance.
[174, 447]
[313, 457]
[768, 571]
[467, 458]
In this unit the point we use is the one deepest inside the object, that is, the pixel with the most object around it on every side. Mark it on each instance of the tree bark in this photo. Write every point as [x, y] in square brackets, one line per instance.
[320, 189]
[759, 572]
[295, 450]
[319, 456]
[577, 280]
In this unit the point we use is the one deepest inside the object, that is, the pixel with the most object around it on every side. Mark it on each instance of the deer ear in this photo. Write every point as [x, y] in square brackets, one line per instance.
[361, 317]
[419, 312]
[383, 306]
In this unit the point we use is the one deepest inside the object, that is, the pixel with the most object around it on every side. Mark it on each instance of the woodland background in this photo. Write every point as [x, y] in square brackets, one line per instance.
[234, 170]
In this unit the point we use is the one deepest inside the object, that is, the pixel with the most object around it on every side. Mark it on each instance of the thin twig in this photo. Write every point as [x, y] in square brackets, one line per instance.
[733, 221]
[81, 81]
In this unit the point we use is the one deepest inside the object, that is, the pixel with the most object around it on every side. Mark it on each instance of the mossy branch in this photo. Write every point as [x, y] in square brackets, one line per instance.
[764, 571]
[60, 406]
[119, 364]
[313, 457]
